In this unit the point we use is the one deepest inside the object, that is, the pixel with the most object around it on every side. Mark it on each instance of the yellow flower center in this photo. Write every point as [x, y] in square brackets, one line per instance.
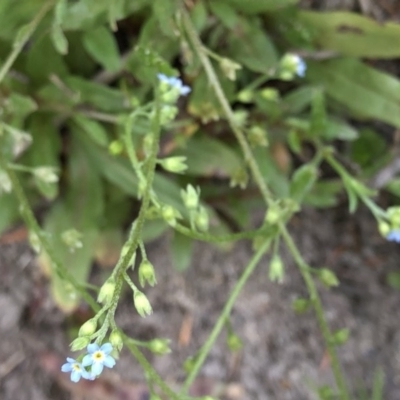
[76, 367]
[98, 356]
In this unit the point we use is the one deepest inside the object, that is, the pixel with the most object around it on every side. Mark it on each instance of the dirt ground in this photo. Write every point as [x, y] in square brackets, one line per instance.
[283, 356]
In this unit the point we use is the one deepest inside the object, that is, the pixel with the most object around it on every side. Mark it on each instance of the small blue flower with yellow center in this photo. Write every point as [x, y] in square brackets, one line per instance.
[77, 370]
[174, 83]
[98, 358]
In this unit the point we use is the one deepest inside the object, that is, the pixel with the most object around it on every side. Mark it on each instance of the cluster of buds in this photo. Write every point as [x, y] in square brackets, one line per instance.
[390, 228]
[198, 214]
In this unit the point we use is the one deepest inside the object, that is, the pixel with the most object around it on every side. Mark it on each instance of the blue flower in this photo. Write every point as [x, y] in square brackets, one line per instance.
[77, 370]
[176, 83]
[394, 236]
[98, 357]
[301, 66]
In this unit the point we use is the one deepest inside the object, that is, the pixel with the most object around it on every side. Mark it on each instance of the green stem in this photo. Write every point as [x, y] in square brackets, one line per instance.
[202, 355]
[305, 271]
[267, 196]
[19, 45]
[149, 369]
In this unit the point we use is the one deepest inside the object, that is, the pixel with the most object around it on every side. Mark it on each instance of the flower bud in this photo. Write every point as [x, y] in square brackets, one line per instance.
[274, 214]
[201, 219]
[341, 336]
[394, 216]
[116, 147]
[46, 174]
[174, 164]
[328, 277]
[159, 346]
[229, 67]
[291, 65]
[234, 342]
[301, 305]
[116, 339]
[146, 273]
[384, 228]
[257, 136]
[276, 269]
[270, 94]
[142, 304]
[190, 197]
[168, 114]
[80, 343]
[170, 214]
[245, 96]
[106, 291]
[88, 328]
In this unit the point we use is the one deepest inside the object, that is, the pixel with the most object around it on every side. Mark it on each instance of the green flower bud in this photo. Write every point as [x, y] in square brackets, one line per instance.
[88, 328]
[301, 305]
[393, 214]
[201, 219]
[328, 277]
[159, 346]
[341, 336]
[241, 117]
[46, 174]
[239, 178]
[258, 136]
[170, 214]
[80, 343]
[234, 342]
[384, 228]
[190, 197]
[168, 114]
[276, 269]
[116, 147]
[245, 96]
[116, 340]
[73, 239]
[142, 304]
[274, 214]
[146, 273]
[229, 67]
[106, 291]
[174, 164]
[270, 94]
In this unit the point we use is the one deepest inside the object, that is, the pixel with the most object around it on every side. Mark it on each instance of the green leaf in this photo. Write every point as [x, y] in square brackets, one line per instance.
[164, 11]
[353, 34]
[298, 100]
[318, 121]
[258, 6]
[60, 218]
[209, 157]
[38, 71]
[338, 129]
[59, 40]
[9, 210]
[44, 151]
[100, 96]
[101, 45]
[324, 194]
[364, 91]
[181, 251]
[252, 47]
[94, 129]
[302, 182]
[225, 13]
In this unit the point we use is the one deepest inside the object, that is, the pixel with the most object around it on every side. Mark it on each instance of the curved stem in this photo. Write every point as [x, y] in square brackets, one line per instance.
[267, 196]
[200, 358]
[19, 45]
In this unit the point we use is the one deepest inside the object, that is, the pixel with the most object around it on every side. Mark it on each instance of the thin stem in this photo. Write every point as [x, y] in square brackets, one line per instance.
[149, 369]
[19, 45]
[267, 196]
[202, 355]
[305, 271]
